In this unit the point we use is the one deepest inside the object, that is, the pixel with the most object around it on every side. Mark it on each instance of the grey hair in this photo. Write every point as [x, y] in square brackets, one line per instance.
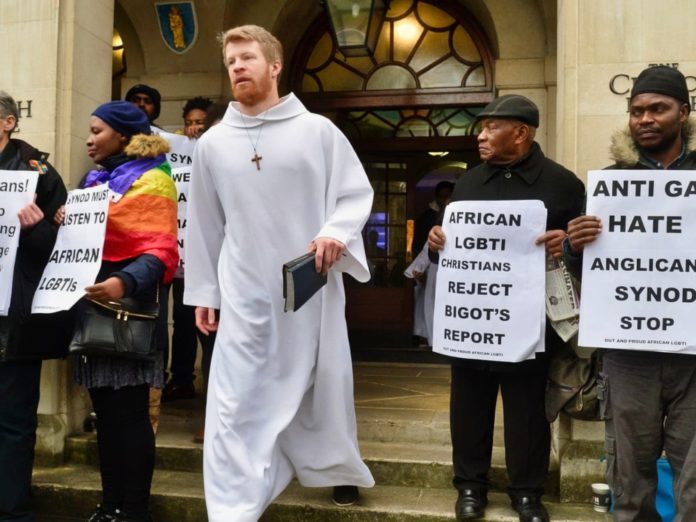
[8, 107]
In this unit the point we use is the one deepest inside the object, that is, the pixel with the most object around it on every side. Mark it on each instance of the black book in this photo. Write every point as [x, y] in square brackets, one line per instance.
[300, 281]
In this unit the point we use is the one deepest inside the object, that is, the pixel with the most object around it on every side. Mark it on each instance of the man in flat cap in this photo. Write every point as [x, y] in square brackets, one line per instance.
[650, 399]
[513, 168]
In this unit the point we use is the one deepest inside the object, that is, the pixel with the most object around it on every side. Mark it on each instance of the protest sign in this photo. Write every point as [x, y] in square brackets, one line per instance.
[77, 254]
[638, 288]
[182, 179]
[180, 157]
[180, 149]
[489, 300]
[17, 189]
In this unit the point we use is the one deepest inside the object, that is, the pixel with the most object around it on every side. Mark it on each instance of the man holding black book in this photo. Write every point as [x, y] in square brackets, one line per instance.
[271, 182]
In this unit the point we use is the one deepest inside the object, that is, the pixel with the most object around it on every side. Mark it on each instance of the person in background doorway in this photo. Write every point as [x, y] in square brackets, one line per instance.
[184, 338]
[194, 113]
[431, 216]
[147, 99]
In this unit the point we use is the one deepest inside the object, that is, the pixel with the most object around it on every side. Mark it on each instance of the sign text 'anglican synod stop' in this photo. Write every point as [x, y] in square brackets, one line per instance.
[639, 276]
[489, 301]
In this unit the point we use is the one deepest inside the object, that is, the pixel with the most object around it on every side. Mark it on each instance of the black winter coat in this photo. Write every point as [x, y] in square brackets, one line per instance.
[23, 335]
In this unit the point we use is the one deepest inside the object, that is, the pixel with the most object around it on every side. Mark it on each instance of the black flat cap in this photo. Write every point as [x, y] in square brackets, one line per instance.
[662, 80]
[511, 107]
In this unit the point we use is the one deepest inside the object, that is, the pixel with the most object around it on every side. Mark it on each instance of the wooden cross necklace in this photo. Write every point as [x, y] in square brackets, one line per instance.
[256, 158]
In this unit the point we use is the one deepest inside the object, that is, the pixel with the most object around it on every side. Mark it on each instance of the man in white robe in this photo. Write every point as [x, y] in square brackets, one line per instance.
[268, 181]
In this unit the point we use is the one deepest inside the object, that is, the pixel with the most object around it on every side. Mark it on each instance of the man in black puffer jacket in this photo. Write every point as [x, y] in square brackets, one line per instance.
[25, 339]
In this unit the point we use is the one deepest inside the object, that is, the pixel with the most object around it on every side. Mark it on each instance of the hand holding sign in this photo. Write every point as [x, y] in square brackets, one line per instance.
[436, 239]
[582, 231]
[30, 215]
[553, 241]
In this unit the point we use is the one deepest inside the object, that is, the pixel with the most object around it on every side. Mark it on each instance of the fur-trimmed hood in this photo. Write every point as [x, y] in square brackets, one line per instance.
[624, 151]
[144, 146]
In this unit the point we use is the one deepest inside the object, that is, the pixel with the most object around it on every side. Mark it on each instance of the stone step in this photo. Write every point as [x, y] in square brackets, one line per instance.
[393, 464]
[73, 491]
[393, 403]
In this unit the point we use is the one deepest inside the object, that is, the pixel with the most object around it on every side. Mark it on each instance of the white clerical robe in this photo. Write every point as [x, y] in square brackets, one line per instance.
[424, 298]
[280, 396]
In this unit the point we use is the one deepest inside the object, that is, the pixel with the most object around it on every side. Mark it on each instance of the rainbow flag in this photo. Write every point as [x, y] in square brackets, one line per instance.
[144, 220]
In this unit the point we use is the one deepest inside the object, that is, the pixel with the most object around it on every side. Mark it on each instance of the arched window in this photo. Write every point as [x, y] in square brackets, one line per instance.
[430, 73]
[429, 54]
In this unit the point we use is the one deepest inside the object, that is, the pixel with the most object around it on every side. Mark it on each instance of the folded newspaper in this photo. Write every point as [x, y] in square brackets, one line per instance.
[562, 303]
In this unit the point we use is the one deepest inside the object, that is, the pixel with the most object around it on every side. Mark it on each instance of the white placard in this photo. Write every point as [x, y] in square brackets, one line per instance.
[639, 276]
[180, 157]
[182, 179]
[77, 254]
[17, 188]
[489, 301]
[180, 149]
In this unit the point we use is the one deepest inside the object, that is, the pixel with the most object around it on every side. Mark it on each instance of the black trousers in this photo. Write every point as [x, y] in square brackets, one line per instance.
[126, 447]
[185, 339]
[527, 432]
[19, 398]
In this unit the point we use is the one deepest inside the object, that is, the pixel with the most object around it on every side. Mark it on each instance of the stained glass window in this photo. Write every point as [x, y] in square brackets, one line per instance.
[421, 47]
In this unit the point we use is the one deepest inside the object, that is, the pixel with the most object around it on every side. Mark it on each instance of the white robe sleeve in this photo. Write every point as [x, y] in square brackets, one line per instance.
[205, 226]
[349, 202]
[420, 264]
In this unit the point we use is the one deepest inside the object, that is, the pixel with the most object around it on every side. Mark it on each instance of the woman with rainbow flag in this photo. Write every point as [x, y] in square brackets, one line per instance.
[140, 251]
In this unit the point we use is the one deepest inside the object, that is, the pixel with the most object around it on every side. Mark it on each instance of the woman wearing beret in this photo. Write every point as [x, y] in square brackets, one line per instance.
[140, 251]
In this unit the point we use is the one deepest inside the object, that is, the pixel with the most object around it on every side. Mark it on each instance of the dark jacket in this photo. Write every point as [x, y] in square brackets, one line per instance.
[533, 177]
[22, 335]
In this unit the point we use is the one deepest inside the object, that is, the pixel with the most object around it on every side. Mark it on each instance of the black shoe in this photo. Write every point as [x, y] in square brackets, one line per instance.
[345, 495]
[470, 504]
[103, 515]
[176, 392]
[530, 509]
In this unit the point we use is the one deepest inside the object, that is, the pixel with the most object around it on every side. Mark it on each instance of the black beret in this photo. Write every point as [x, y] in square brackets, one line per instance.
[662, 80]
[153, 93]
[511, 107]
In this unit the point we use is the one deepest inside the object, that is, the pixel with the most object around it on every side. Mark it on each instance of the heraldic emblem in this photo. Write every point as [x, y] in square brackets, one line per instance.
[177, 24]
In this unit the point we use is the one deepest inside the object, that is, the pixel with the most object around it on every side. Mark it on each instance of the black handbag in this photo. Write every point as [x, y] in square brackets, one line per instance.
[125, 328]
[573, 385]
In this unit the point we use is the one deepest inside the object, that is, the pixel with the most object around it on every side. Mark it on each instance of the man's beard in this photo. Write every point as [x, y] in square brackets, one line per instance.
[253, 93]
